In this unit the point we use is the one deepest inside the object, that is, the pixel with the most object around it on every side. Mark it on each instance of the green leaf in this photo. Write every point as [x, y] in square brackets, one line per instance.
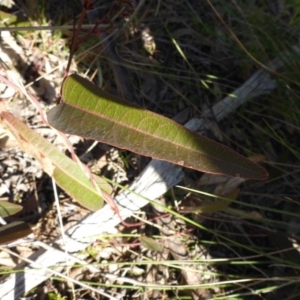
[14, 231]
[8, 208]
[90, 112]
[7, 19]
[151, 244]
[67, 174]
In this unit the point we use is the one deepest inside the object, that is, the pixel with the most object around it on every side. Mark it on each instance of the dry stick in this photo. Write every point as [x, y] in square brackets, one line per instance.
[56, 273]
[154, 181]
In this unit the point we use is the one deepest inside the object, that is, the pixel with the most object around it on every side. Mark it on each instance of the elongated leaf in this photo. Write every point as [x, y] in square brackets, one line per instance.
[151, 244]
[90, 112]
[67, 174]
[8, 209]
[14, 231]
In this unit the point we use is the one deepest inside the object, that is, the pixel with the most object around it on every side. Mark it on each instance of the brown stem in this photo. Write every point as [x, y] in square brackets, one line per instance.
[74, 43]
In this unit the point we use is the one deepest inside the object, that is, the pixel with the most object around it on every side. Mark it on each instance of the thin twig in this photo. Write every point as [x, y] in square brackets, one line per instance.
[40, 28]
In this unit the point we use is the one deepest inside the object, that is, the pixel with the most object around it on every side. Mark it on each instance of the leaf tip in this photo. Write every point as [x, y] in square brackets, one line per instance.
[262, 174]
